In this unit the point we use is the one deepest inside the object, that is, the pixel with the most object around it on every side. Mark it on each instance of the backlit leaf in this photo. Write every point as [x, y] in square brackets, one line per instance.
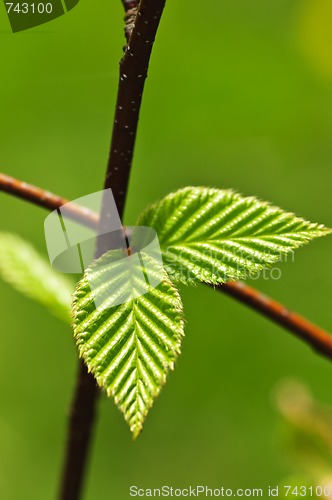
[129, 346]
[214, 236]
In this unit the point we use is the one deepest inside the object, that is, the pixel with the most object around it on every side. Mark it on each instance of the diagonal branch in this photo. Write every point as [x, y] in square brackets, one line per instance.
[316, 337]
[48, 200]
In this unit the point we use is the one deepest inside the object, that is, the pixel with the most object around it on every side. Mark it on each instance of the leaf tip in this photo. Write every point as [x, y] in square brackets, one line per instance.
[136, 431]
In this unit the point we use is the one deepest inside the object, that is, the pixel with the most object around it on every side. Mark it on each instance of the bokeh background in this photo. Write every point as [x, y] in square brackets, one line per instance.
[239, 95]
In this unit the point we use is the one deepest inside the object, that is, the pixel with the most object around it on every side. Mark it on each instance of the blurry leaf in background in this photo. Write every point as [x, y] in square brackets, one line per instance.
[307, 436]
[315, 34]
[27, 271]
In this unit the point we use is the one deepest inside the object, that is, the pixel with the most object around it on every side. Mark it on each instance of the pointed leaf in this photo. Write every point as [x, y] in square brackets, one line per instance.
[215, 236]
[31, 274]
[129, 346]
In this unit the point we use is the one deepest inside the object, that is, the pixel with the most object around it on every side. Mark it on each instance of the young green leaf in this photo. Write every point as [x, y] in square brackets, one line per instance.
[215, 236]
[31, 274]
[128, 333]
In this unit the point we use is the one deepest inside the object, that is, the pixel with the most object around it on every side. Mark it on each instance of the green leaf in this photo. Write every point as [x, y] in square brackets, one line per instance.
[215, 236]
[31, 274]
[130, 346]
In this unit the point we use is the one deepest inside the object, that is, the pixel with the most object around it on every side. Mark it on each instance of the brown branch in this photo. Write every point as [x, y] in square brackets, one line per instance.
[80, 430]
[46, 199]
[316, 337]
[133, 72]
[140, 31]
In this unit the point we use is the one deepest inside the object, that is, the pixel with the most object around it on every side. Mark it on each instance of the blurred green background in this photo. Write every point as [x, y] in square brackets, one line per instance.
[239, 95]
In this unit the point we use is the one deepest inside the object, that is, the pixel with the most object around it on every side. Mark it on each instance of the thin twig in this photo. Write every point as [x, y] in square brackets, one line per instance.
[47, 200]
[316, 337]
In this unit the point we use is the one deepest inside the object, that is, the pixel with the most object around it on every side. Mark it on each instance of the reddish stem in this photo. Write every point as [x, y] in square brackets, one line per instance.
[318, 338]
